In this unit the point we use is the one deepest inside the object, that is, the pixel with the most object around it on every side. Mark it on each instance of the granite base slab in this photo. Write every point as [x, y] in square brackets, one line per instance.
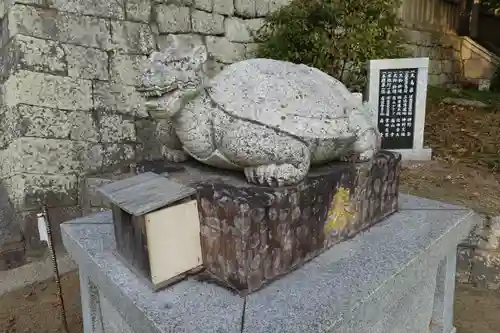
[396, 277]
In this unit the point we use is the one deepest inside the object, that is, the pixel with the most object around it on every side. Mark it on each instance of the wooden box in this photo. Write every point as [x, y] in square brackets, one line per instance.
[157, 227]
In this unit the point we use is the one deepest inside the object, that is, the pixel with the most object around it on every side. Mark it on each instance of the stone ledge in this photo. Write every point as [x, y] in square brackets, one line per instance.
[332, 290]
[478, 256]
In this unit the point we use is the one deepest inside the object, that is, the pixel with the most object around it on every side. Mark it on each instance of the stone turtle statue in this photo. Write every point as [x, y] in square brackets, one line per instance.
[270, 118]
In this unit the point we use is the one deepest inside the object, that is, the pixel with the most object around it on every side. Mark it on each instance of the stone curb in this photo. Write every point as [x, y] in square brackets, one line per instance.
[34, 272]
[478, 256]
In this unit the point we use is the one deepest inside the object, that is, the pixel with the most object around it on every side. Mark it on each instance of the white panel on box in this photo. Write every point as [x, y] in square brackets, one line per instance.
[174, 242]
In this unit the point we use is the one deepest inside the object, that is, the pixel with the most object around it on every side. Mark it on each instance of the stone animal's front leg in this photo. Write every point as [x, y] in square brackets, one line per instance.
[275, 174]
[171, 148]
[173, 155]
[269, 158]
[367, 145]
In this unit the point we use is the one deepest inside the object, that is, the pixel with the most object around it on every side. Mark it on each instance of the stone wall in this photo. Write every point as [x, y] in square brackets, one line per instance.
[453, 59]
[68, 102]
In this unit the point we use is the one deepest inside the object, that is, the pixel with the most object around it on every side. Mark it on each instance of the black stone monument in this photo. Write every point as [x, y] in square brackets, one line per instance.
[396, 110]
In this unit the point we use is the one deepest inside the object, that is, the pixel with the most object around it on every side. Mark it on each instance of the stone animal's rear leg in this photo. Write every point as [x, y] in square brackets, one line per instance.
[268, 157]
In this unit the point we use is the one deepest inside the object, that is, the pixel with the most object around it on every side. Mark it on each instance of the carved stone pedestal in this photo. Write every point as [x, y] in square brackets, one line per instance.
[250, 235]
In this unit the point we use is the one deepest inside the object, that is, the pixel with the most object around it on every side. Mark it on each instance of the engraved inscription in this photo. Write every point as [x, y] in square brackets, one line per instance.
[396, 111]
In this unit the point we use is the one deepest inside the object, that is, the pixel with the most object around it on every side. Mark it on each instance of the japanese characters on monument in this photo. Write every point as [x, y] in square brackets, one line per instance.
[398, 91]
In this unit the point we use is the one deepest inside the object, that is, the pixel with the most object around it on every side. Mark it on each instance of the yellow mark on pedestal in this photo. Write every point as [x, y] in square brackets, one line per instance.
[341, 211]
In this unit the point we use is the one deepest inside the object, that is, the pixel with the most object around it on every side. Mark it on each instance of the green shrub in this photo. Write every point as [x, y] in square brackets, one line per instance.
[336, 36]
[495, 81]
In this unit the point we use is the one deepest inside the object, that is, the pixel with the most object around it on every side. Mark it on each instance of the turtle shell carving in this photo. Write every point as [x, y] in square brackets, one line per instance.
[296, 99]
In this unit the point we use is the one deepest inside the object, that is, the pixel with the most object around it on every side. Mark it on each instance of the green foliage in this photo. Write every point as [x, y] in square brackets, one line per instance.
[493, 5]
[495, 82]
[336, 36]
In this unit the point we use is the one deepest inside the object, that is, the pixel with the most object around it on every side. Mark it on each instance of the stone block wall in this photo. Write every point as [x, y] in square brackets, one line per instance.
[453, 59]
[441, 49]
[68, 105]
[478, 63]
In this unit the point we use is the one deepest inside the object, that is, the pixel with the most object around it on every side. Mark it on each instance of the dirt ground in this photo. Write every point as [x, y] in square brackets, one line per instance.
[465, 171]
[35, 308]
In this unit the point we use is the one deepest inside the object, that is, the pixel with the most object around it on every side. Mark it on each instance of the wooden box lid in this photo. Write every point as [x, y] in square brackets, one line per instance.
[145, 193]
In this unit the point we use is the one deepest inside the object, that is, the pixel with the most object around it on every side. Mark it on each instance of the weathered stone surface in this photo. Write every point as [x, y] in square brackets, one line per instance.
[313, 105]
[116, 97]
[41, 55]
[132, 37]
[486, 269]
[224, 51]
[115, 155]
[27, 190]
[464, 102]
[83, 127]
[205, 5]
[277, 4]
[114, 128]
[38, 156]
[90, 198]
[33, 54]
[28, 222]
[138, 10]
[9, 127]
[164, 41]
[126, 68]
[176, 2]
[86, 63]
[8, 167]
[29, 225]
[9, 3]
[64, 27]
[207, 23]
[150, 145]
[262, 8]
[59, 215]
[493, 242]
[352, 288]
[251, 50]
[12, 256]
[484, 236]
[213, 68]
[238, 30]
[313, 208]
[9, 230]
[48, 90]
[225, 7]
[173, 19]
[245, 8]
[464, 265]
[41, 122]
[476, 234]
[90, 156]
[110, 9]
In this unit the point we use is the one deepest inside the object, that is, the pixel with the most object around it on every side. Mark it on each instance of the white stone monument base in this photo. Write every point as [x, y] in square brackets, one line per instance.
[398, 276]
[424, 154]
